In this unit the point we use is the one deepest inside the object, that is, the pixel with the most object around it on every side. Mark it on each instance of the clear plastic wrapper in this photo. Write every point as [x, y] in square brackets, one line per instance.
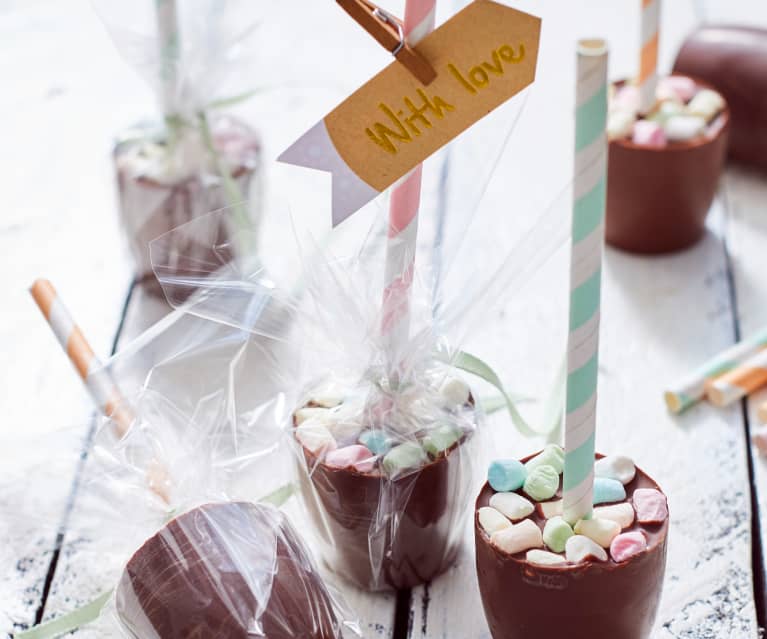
[193, 159]
[387, 434]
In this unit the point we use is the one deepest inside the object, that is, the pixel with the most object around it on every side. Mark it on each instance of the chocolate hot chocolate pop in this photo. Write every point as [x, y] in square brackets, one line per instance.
[229, 570]
[386, 486]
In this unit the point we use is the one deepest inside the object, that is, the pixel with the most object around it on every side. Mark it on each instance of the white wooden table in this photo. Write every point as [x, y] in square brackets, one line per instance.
[65, 94]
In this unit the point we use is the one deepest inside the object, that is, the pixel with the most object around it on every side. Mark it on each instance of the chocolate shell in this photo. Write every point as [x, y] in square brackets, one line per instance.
[734, 61]
[227, 570]
[584, 601]
[658, 198]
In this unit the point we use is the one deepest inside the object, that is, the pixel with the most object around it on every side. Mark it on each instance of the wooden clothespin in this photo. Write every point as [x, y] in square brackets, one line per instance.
[388, 31]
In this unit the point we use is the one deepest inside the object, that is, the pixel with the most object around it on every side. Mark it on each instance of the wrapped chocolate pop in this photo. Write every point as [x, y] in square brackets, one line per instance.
[192, 158]
[177, 504]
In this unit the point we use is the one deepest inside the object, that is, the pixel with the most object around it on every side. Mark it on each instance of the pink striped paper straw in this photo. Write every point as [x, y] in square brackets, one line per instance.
[403, 216]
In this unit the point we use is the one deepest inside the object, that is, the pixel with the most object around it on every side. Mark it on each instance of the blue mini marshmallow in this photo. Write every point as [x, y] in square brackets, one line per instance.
[375, 441]
[505, 475]
[607, 491]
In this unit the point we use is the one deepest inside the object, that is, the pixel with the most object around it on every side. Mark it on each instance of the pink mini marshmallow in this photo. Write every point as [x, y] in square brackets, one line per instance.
[626, 98]
[760, 440]
[355, 456]
[650, 134]
[676, 86]
[626, 545]
[650, 505]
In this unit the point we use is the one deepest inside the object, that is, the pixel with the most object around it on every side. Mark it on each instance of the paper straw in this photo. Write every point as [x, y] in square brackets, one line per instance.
[589, 192]
[745, 378]
[104, 392]
[403, 217]
[691, 389]
[761, 412]
[168, 41]
[648, 59]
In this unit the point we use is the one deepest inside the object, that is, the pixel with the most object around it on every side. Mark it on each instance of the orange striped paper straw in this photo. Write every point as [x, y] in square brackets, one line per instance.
[739, 382]
[103, 390]
[648, 59]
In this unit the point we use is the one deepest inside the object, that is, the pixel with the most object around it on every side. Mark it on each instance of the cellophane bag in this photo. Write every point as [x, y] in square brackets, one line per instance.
[200, 57]
[175, 520]
[387, 433]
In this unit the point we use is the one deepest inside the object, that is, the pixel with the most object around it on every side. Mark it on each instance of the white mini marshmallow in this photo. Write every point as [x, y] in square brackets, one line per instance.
[492, 520]
[544, 558]
[455, 391]
[514, 506]
[327, 395]
[320, 414]
[580, 548]
[680, 128]
[617, 467]
[549, 509]
[620, 124]
[706, 104]
[315, 437]
[622, 514]
[600, 531]
[518, 538]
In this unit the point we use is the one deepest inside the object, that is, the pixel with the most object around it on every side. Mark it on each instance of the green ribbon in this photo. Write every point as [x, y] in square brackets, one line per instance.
[68, 622]
[552, 417]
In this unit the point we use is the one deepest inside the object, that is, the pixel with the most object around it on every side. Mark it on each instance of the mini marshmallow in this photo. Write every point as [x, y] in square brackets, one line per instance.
[354, 456]
[315, 437]
[620, 124]
[544, 558]
[556, 532]
[328, 395]
[618, 467]
[676, 87]
[552, 455]
[626, 98]
[580, 548]
[506, 475]
[649, 134]
[320, 414]
[455, 391]
[706, 104]
[666, 110]
[542, 483]
[680, 128]
[627, 545]
[514, 506]
[650, 505]
[622, 514]
[601, 531]
[376, 441]
[607, 491]
[518, 538]
[492, 520]
[404, 457]
[441, 439]
[549, 509]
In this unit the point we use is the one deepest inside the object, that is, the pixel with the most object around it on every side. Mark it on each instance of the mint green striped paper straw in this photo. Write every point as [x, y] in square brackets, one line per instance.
[168, 41]
[691, 389]
[589, 191]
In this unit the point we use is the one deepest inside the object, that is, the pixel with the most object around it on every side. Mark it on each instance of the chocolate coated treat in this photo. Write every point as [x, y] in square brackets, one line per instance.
[228, 570]
[734, 61]
[582, 601]
[658, 198]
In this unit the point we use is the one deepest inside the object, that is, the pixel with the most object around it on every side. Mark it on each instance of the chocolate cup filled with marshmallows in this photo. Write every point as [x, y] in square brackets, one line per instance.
[658, 196]
[384, 527]
[231, 569]
[591, 598]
